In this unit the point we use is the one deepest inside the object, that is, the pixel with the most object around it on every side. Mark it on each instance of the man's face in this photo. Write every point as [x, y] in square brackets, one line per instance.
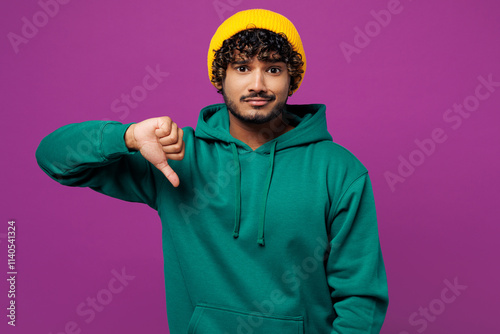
[256, 91]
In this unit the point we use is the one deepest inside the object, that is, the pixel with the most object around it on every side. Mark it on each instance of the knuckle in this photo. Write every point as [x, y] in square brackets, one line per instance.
[178, 147]
[165, 120]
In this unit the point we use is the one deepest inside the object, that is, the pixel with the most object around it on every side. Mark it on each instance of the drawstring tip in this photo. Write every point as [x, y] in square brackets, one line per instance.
[236, 235]
[260, 241]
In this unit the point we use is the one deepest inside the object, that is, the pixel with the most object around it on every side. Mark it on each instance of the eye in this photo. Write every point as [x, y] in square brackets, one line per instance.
[242, 68]
[275, 70]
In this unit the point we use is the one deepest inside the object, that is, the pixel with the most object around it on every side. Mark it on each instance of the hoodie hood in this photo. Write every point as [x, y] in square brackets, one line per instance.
[309, 121]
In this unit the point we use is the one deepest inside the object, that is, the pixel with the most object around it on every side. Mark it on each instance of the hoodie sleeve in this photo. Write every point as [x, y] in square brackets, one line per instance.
[93, 154]
[355, 267]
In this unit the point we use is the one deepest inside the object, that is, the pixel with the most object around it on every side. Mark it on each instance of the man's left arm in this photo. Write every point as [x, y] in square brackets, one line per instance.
[355, 267]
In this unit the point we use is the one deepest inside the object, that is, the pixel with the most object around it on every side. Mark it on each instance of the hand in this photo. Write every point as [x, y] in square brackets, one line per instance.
[158, 139]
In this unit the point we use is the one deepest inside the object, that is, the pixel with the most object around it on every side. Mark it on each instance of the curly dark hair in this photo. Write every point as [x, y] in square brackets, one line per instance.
[266, 44]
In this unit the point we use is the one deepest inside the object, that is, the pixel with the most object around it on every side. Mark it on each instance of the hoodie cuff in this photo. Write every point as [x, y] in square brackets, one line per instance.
[113, 140]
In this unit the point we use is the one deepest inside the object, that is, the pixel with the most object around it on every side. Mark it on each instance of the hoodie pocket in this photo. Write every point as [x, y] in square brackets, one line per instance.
[211, 319]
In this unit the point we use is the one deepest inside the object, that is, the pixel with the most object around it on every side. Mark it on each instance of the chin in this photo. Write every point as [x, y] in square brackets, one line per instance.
[257, 114]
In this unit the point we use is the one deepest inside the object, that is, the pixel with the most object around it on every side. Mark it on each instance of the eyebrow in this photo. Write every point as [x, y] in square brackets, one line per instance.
[246, 61]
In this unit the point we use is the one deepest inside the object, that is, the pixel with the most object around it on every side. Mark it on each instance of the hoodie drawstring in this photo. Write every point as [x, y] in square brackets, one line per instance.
[237, 195]
[260, 239]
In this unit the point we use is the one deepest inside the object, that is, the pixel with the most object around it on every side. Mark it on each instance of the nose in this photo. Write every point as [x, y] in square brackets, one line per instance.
[258, 81]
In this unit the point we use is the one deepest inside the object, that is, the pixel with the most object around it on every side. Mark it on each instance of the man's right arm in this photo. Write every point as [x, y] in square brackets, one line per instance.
[103, 155]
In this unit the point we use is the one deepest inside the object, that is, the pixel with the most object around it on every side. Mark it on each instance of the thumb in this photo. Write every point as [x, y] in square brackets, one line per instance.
[171, 175]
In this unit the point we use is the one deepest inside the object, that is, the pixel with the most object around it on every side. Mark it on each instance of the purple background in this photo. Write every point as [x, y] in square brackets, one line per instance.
[440, 224]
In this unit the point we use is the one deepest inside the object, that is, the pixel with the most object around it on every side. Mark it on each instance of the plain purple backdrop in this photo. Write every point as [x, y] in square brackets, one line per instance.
[386, 89]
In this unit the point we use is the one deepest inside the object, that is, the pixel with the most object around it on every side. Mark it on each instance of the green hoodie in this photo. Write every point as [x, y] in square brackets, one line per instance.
[283, 239]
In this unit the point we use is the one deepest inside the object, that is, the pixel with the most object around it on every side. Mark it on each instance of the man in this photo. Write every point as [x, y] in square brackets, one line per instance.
[268, 226]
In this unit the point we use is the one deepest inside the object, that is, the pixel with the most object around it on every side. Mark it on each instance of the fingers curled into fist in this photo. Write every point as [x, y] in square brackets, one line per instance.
[158, 139]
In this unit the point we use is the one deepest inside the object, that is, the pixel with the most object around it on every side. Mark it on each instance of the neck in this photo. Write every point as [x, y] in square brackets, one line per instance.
[255, 135]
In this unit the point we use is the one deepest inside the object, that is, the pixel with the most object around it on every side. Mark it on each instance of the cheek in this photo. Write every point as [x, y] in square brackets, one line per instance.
[230, 85]
[229, 90]
[284, 85]
[284, 89]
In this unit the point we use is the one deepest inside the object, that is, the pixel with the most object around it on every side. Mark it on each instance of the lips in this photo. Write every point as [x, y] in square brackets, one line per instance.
[257, 102]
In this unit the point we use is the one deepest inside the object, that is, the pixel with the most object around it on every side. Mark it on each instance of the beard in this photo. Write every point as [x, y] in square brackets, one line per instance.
[255, 118]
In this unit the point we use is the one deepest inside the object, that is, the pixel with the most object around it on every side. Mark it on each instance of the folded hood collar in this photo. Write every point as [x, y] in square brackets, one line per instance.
[309, 121]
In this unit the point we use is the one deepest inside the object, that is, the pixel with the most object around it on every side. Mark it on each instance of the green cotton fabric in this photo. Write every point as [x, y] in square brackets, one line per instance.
[283, 239]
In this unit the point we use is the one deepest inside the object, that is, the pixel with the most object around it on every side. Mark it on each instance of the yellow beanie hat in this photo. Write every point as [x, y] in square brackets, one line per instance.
[255, 18]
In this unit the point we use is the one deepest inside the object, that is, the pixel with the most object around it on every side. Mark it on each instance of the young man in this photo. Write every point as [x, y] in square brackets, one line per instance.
[268, 226]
